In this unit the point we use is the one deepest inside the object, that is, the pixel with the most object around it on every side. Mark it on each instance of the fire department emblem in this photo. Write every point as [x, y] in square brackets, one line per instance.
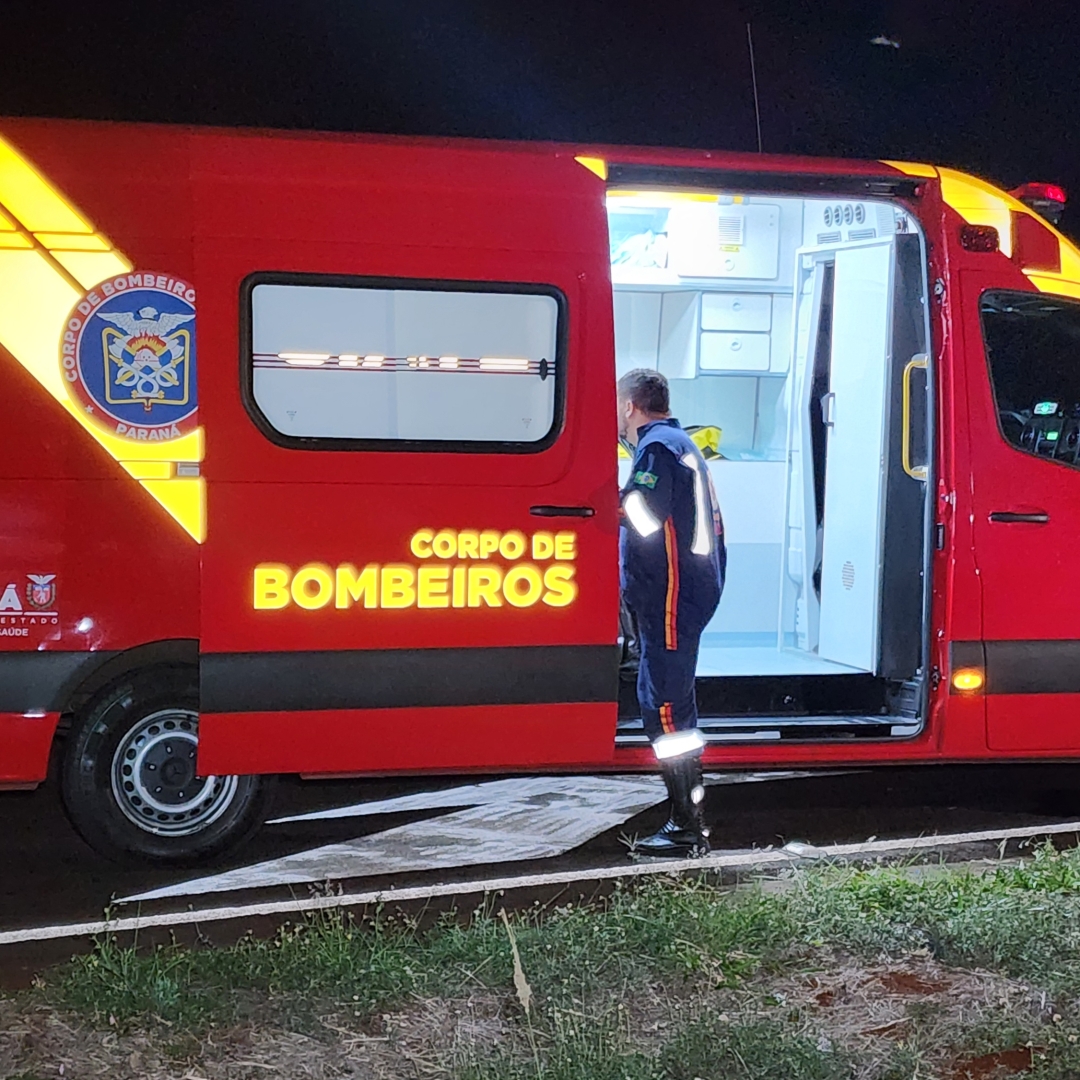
[41, 591]
[128, 356]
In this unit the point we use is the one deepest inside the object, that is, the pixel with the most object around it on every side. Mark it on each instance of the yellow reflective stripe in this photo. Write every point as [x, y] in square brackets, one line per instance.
[48, 251]
[72, 241]
[594, 165]
[90, 267]
[185, 498]
[150, 470]
[913, 168]
[980, 203]
[33, 201]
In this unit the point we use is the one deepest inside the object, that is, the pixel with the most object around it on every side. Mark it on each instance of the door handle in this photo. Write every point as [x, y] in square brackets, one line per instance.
[562, 511]
[1010, 517]
[916, 472]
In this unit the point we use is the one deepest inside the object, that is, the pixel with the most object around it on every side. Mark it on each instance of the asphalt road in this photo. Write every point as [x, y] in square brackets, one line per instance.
[48, 875]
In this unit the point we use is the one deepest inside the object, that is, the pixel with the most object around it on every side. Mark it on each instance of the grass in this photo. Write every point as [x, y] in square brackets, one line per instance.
[670, 980]
[676, 931]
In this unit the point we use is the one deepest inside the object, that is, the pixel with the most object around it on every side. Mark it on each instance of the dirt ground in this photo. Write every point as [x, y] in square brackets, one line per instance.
[862, 1008]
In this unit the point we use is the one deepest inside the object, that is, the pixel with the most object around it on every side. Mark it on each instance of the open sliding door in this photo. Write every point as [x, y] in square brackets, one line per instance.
[837, 450]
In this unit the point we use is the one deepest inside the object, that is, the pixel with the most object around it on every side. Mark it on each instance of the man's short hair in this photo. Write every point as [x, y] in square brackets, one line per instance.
[647, 389]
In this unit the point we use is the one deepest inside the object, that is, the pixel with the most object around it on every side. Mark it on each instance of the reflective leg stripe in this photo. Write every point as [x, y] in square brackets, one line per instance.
[667, 721]
[677, 743]
[671, 603]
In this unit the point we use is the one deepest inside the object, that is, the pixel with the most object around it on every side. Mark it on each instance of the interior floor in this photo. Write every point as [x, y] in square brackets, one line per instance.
[718, 658]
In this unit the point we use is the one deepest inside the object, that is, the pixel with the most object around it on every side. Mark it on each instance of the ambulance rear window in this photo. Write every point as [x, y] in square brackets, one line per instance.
[356, 363]
[1033, 349]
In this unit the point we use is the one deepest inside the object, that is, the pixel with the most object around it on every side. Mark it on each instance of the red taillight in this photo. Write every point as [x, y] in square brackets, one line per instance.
[1047, 192]
[1047, 200]
[979, 238]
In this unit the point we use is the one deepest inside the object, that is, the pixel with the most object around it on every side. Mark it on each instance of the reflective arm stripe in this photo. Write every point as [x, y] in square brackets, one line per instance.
[702, 544]
[641, 517]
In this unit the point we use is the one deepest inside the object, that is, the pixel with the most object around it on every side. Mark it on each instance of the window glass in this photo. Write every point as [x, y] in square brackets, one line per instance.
[1033, 348]
[426, 365]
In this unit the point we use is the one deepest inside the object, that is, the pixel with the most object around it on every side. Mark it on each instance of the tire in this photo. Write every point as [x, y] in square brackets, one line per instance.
[128, 779]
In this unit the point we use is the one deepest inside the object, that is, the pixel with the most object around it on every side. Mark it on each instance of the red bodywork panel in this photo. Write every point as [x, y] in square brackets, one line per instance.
[25, 742]
[213, 207]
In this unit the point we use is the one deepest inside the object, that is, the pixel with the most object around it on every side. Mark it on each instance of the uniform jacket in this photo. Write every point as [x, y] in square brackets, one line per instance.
[671, 542]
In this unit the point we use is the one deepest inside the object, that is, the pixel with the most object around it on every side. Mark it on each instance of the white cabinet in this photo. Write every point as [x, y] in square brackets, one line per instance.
[723, 351]
[736, 311]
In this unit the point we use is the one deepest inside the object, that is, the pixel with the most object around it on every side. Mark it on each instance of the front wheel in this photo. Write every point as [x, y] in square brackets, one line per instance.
[129, 781]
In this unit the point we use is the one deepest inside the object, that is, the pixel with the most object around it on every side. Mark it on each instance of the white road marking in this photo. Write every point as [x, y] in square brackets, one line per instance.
[505, 821]
[749, 860]
[512, 820]
[512, 790]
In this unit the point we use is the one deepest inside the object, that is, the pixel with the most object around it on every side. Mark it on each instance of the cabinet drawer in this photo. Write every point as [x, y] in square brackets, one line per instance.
[736, 311]
[734, 352]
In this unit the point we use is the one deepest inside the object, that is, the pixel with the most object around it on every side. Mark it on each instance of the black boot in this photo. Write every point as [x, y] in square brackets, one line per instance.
[684, 836]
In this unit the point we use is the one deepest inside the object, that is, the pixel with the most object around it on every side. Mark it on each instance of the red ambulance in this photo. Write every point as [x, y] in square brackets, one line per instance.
[309, 461]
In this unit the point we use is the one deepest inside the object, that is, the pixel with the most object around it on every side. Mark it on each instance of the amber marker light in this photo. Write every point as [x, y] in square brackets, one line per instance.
[968, 680]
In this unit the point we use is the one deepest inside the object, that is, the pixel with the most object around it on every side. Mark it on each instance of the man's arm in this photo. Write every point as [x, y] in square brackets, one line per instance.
[647, 501]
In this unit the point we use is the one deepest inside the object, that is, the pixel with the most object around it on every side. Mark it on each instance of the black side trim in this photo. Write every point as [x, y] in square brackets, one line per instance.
[43, 680]
[1033, 667]
[400, 678]
[756, 182]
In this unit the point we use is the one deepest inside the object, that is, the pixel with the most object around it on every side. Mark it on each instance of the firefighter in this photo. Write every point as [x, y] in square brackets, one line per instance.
[672, 561]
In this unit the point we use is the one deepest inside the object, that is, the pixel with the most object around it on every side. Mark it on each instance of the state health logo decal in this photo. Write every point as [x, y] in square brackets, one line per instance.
[128, 356]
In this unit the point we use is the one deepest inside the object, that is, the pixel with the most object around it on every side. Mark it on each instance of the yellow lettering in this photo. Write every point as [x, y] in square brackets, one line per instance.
[271, 586]
[458, 587]
[445, 544]
[397, 587]
[484, 582]
[351, 587]
[512, 545]
[489, 542]
[559, 581]
[566, 546]
[420, 544]
[543, 545]
[317, 575]
[468, 544]
[432, 587]
[524, 575]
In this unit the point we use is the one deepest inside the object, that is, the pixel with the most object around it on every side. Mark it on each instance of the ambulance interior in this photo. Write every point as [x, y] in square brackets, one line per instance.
[785, 327]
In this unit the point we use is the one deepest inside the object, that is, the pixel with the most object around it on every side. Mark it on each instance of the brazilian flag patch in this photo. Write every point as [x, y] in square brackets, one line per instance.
[645, 479]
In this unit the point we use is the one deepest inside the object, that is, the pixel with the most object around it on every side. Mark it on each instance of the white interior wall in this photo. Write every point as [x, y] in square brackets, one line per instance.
[725, 342]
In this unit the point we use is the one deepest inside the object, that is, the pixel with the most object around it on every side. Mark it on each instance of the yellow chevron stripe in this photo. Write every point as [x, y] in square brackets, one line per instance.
[49, 254]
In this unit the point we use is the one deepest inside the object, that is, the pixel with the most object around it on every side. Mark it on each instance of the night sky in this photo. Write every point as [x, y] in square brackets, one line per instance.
[990, 87]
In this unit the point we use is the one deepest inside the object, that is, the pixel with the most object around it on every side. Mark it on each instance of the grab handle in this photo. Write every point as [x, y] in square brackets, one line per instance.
[916, 472]
[562, 511]
[1014, 517]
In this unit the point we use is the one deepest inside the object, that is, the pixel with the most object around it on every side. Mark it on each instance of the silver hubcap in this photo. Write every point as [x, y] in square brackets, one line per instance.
[154, 781]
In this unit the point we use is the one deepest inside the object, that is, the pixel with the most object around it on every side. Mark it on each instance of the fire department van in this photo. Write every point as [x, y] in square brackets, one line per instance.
[309, 461]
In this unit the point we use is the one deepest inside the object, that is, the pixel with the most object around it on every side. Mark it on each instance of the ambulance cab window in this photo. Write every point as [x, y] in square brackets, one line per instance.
[1033, 348]
[345, 363]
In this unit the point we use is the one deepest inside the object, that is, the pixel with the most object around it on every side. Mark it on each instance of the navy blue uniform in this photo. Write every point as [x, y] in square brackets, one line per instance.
[672, 559]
